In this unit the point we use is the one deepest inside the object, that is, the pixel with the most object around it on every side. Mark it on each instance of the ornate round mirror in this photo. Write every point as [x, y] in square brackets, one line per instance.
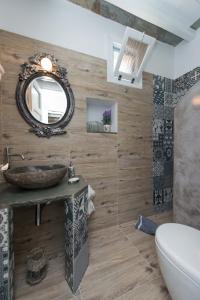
[44, 96]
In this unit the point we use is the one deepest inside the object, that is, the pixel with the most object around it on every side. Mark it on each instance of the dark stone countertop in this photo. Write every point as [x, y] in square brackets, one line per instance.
[11, 196]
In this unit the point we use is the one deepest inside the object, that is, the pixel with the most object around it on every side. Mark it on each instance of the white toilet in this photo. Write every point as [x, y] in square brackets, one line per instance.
[178, 249]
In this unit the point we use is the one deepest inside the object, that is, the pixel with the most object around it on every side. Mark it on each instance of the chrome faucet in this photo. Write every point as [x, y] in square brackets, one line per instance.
[8, 155]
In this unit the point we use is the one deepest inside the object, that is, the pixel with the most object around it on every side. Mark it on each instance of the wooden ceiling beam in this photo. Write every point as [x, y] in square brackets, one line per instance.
[158, 14]
[114, 13]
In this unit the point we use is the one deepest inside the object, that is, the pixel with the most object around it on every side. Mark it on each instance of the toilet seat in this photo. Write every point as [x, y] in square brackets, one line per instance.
[181, 245]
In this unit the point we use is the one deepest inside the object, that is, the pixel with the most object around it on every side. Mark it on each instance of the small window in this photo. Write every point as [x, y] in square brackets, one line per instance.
[135, 49]
[126, 63]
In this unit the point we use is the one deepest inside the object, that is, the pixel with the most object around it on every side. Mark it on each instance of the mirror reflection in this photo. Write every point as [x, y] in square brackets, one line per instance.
[46, 100]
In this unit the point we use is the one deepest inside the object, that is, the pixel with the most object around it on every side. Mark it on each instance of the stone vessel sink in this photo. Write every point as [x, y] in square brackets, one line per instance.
[35, 177]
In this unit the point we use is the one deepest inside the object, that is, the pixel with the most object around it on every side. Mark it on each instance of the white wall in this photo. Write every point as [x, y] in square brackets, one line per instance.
[67, 25]
[187, 56]
[58, 22]
[161, 61]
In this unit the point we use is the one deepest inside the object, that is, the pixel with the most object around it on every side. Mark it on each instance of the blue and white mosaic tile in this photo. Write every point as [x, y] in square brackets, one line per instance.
[76, 236]
[166, 94]
[168, 99]
[158, 129]
[162, 139]
[6, 254]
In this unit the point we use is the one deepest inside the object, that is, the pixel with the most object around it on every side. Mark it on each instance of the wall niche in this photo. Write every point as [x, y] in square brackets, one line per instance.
[102, 116]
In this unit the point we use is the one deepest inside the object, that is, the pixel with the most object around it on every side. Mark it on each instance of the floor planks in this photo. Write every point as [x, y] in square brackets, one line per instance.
[123, 266]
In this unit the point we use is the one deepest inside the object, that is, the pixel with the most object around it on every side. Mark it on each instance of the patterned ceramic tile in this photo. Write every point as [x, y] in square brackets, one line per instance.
[168, 153]
[162, 138]
[157, 151]
[159, 82]
[168, 113]
[168, 85]
[158, 168]
[168, 180]
[164, 206]
[168, 128]
[6, 254]
[76, 235]
[158, 197]
[168, 195]
[158, 111]
[169, 99]
[158, 129]
[167, 93]
[158, 182]
[168, 167]
[158, 96]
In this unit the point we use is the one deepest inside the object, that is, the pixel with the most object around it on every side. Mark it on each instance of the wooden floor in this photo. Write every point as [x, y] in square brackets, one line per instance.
[123, 266]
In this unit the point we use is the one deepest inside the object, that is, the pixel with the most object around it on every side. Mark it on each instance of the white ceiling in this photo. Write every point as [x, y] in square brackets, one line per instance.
[175, 16]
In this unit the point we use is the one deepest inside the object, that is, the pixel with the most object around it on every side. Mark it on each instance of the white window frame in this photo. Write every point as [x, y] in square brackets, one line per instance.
[141, 37]
[112, 75]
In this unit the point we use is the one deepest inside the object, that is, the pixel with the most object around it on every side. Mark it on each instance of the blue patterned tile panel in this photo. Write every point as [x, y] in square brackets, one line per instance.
[6, 254]
[168, 87]
[162, 137]
[168, 113]
[158, 112]
[158, 182]
[158, 96]
[166, 94]
[168, 194]
[159, 82]
[158, 152]
[158, 197]
[158, 129]
[168, 128]
[169, 99]
[168, 153]
[158, 168]
[76, 238]
[168, 180]
[168, 167]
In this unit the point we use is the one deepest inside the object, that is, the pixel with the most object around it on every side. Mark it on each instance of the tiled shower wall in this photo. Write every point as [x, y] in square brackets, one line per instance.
[163, 142]
[167, 93]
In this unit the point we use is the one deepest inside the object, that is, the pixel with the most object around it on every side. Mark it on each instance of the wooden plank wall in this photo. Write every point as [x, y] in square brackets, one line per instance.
[118, 166]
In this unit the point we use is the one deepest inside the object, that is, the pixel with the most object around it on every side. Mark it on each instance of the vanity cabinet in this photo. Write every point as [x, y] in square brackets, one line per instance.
[75, 197]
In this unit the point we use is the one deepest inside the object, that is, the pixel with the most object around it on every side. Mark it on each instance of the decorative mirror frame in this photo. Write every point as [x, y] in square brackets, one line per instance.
[32, 70]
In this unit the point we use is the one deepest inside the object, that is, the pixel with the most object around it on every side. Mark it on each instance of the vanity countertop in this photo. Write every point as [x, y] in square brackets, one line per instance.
[11, 196]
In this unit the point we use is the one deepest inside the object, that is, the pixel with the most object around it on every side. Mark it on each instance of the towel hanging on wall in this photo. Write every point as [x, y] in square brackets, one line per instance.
[1, 71]
[91, 196]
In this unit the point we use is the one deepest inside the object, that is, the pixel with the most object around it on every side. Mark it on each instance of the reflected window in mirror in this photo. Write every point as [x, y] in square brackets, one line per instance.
[46, 100]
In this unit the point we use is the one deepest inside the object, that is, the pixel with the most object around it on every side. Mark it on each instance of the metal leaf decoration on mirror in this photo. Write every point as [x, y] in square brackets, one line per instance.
[47, 131]
[44, 96]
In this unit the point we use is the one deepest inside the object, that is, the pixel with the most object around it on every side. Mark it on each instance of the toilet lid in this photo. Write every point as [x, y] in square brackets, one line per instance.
[181, 244]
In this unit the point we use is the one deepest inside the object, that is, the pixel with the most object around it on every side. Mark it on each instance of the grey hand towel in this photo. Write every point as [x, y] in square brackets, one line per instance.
[146, 225]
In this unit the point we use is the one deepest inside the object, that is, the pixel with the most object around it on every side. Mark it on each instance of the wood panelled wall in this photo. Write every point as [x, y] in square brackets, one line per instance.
[118, 166]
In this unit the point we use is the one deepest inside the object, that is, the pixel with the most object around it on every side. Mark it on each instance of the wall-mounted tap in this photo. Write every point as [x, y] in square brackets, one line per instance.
[8, 155]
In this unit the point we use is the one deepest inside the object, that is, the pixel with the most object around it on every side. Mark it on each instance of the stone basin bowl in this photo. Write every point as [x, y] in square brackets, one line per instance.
[35, 177]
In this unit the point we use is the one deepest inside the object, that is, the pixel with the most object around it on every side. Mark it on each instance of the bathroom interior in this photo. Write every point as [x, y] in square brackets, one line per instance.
[99, 150]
